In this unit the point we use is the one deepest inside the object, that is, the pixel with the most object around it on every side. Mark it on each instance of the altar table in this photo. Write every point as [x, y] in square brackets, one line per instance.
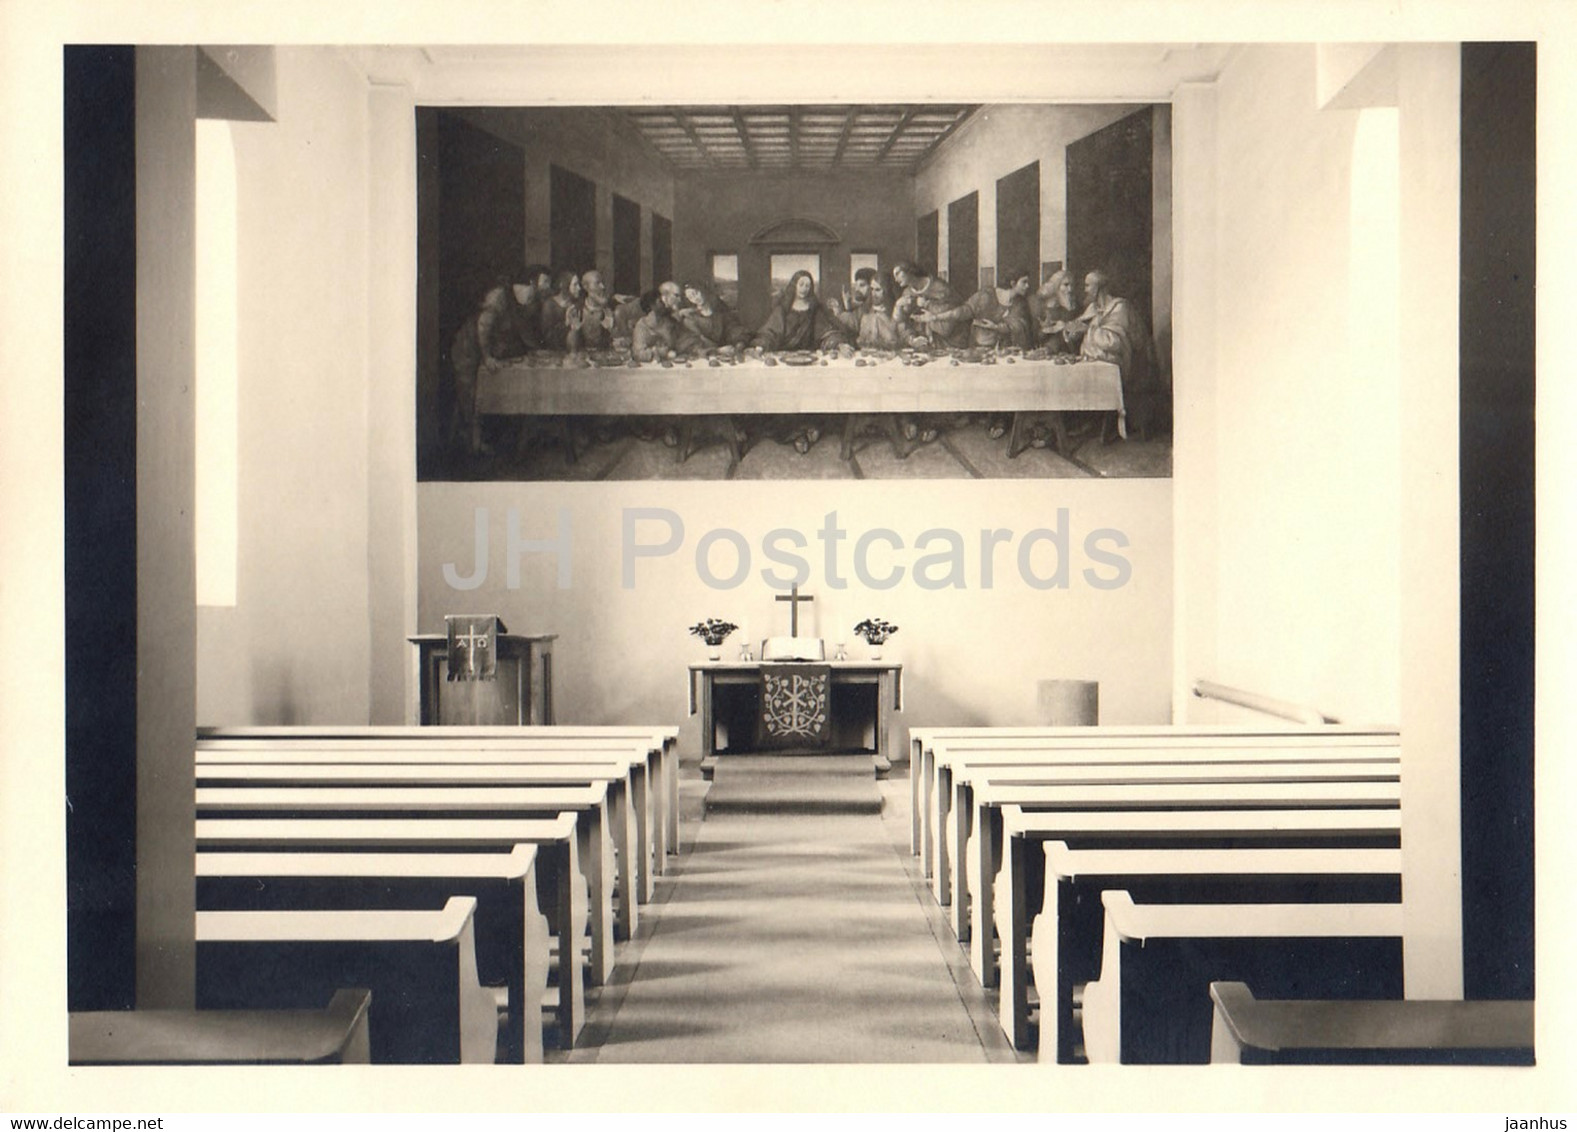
[887, 676]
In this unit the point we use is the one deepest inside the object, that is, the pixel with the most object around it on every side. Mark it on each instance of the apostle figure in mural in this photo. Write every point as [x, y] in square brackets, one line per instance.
[992, 316]
[591, 323]
[652, 339]
[1116, 332]
[709, 318]
[557, 309]
[1057, 319]
[919, 291]
[854, 303]
[877, 329]
[500, 329]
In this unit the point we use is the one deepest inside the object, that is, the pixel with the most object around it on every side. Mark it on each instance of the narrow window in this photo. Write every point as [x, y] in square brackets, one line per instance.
[216, 391]
[725, 277]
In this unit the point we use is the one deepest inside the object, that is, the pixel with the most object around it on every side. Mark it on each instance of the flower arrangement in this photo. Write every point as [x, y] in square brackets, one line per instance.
[713, 630]
[875, 630]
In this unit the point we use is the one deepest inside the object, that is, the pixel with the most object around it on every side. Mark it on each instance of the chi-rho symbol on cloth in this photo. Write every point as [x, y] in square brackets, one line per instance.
[794, 703]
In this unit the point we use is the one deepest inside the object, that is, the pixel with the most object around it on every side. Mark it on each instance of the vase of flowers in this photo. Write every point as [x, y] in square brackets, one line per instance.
[875, 631]
[714, 632]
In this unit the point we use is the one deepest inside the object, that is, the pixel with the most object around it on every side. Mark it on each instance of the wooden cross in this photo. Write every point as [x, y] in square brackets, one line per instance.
[793, 596]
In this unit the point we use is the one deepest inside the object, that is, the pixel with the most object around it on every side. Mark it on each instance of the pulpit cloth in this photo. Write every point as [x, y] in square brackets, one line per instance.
[473, 646]
[794, 706]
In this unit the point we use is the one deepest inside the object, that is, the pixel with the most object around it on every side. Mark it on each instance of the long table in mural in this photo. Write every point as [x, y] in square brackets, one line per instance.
[855, 387]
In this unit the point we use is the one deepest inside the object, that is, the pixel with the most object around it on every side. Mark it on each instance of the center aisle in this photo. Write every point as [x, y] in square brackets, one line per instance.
[794, 938]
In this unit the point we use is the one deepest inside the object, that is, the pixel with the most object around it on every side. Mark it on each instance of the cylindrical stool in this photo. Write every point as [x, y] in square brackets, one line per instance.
[1070, 703]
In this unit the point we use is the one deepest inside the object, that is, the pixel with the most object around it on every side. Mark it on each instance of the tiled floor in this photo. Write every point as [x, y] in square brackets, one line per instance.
[962, 452]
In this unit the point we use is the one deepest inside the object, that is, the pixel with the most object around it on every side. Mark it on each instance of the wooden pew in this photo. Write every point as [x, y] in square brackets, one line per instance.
[435, 746]
[1067, 934]
[588, 804]
[336, 1034]
[978, 821]
[1367, 1032]
[663, 739]
[406, 791]
[427, 1004]
[511, 932]
[372, 765]
[1152, 1003]
[937, 749]
[1023, 895]
[1036, 769]
[515, 756]
[558, 859]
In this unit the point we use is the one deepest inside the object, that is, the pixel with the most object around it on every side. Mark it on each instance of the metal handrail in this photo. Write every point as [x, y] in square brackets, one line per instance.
[1267, 705]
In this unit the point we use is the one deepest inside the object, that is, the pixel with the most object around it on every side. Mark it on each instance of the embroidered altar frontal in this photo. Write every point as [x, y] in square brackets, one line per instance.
[794, 703]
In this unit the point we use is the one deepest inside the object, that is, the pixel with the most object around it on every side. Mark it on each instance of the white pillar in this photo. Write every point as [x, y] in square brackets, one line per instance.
[391, 402]
[166, 115]
[1429, 95]
[1194, 505]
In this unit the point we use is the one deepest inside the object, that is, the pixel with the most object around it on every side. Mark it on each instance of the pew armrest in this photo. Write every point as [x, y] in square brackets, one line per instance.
[337, 1033]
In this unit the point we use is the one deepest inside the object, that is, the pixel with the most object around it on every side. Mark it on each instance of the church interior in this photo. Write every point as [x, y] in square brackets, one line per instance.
[1344, 346]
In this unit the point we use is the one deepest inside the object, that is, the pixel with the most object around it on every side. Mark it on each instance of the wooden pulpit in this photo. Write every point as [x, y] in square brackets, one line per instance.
[518, 691]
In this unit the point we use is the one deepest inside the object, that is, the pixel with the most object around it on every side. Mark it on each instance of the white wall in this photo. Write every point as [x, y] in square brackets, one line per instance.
[1314, 398]
[295, 646]
[996, 141]
[1305, 424]
[972, 656]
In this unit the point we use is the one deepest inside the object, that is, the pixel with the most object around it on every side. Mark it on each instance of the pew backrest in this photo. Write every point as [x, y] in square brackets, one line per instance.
[214, 741]
[436, 751]
[371, 774]
[1017, 821]
[417, 832]
[459, 799]
[1202, 795]
[516, 864]
[1161, 774]
[445, 924]
[1138, 923]
[1085, 865]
